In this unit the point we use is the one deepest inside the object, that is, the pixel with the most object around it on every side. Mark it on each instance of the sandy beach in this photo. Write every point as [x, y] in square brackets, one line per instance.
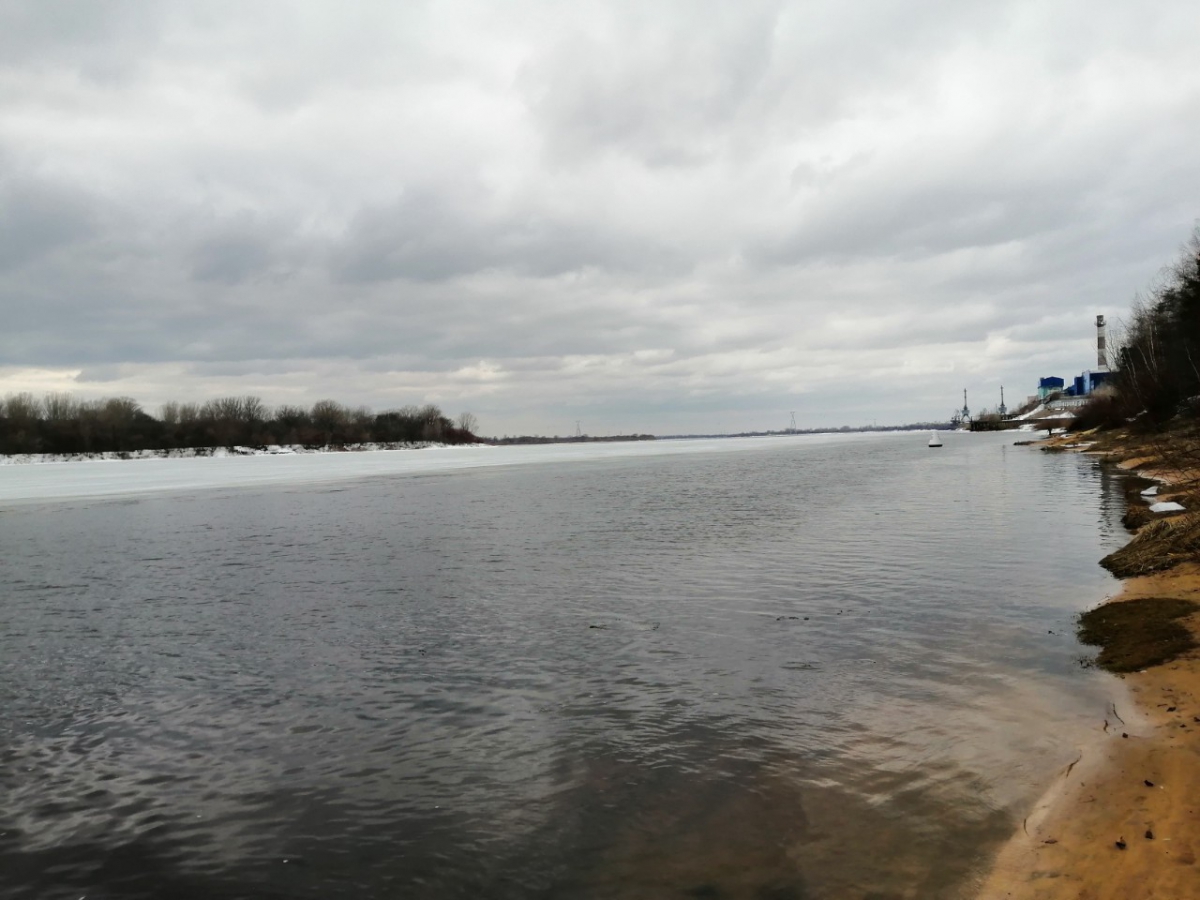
[1123, 821]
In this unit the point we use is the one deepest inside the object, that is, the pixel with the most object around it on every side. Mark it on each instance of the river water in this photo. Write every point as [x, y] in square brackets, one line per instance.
[802, 667]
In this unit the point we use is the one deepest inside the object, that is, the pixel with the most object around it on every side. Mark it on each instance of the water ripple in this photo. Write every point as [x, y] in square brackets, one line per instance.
[809, 669]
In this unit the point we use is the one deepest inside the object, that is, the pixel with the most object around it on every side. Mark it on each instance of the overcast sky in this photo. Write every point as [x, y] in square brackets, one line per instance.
[658, 217]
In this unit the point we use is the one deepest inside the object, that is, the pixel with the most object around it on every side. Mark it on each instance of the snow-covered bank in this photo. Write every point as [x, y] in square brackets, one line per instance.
[110, 475]
[17, 459]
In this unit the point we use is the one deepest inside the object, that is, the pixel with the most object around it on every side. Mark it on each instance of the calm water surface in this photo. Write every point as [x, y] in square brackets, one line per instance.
[798, 668]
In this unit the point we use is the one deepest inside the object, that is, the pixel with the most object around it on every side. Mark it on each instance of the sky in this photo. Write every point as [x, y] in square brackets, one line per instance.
[657, 217]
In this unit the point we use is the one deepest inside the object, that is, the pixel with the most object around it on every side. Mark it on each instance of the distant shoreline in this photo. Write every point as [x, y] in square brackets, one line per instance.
[787, 432]
[366, 446]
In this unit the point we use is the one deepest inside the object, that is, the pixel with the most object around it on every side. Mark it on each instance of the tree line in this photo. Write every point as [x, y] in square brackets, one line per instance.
[1156, 361]
[60, 423]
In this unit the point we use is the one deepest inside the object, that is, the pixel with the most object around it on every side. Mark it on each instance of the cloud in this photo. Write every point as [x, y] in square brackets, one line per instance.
[38, 218]
[100, 41]
[435, 235]
[658, 214]
[231, 258]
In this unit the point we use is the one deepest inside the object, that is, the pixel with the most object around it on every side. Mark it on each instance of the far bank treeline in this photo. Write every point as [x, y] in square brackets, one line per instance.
[1156, 361]
[60, 423]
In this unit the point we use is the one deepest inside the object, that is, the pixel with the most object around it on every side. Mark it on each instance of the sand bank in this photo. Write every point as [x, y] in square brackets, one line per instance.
[1124, 820]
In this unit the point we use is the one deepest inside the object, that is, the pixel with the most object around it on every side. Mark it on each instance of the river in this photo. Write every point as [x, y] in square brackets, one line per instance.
[796, 667]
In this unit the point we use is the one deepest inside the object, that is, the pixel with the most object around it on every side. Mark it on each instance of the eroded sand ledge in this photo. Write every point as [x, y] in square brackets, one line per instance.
[1067, 849]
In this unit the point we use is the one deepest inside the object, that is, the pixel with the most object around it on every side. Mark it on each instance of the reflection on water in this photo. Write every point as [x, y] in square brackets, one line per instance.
[808, 669]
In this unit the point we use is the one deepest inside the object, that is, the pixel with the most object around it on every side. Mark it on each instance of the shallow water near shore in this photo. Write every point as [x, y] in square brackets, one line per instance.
[810, 667]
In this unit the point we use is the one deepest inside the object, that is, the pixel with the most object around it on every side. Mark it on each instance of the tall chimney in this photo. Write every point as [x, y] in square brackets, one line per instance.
[1101, 352]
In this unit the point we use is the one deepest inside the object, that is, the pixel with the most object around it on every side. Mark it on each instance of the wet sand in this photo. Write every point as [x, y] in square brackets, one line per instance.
[1124, 820]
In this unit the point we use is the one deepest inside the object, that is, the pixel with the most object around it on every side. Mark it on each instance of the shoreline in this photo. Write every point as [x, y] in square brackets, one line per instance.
[37, 459]
[1123, 821]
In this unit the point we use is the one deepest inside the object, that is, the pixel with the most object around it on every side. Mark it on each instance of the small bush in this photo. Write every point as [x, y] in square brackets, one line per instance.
[1101, 411]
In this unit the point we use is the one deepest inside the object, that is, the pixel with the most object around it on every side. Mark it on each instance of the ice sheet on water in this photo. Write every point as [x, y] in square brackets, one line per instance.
[111, 477]
[1165, 507]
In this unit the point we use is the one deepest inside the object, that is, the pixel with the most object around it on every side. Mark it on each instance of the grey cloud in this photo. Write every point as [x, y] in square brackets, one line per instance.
[232, 258]
[249, 367]
[663, 89]
[1012, 189]
[431, 235]
[37, 218]
[681, 84]
[99, 374]
[104, 42]
[424, 236]
[898, 220]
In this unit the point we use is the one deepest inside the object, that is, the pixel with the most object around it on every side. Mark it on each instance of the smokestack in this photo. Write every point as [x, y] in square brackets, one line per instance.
[1101, 351]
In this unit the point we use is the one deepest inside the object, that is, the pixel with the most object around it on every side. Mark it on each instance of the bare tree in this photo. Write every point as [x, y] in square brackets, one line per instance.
[21, 424]
[117, 418]
[467, 422]
[22, 407]
[60, 423]
[224, 409]
[254, 410]
[329, 417]
[60, 407]
[292, 416]
[121, 410]
[432, 422]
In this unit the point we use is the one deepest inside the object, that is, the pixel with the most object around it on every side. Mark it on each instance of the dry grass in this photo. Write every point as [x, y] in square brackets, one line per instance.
[1157, 546]
[1136, 515]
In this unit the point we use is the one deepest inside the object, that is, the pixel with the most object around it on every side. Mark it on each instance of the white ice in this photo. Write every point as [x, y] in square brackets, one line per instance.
[1165, 507]
[23, 484]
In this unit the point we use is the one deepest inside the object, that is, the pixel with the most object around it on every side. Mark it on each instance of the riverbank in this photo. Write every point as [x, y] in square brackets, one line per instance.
[20, 459]
[1123, 821]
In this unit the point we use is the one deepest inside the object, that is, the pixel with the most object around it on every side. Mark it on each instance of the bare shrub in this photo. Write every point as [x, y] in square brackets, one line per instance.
[1103, 410]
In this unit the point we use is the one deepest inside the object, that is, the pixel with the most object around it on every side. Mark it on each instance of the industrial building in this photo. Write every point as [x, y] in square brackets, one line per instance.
[1054, 401]
[1050, 385]
[1088, 381]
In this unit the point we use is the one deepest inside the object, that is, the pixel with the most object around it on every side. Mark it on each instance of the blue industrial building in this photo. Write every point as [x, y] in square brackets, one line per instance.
[1087, 382]
[1048, 386]
[1084, 384]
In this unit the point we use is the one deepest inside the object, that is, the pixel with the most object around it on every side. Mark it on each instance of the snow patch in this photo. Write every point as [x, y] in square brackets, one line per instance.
[18, 459]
